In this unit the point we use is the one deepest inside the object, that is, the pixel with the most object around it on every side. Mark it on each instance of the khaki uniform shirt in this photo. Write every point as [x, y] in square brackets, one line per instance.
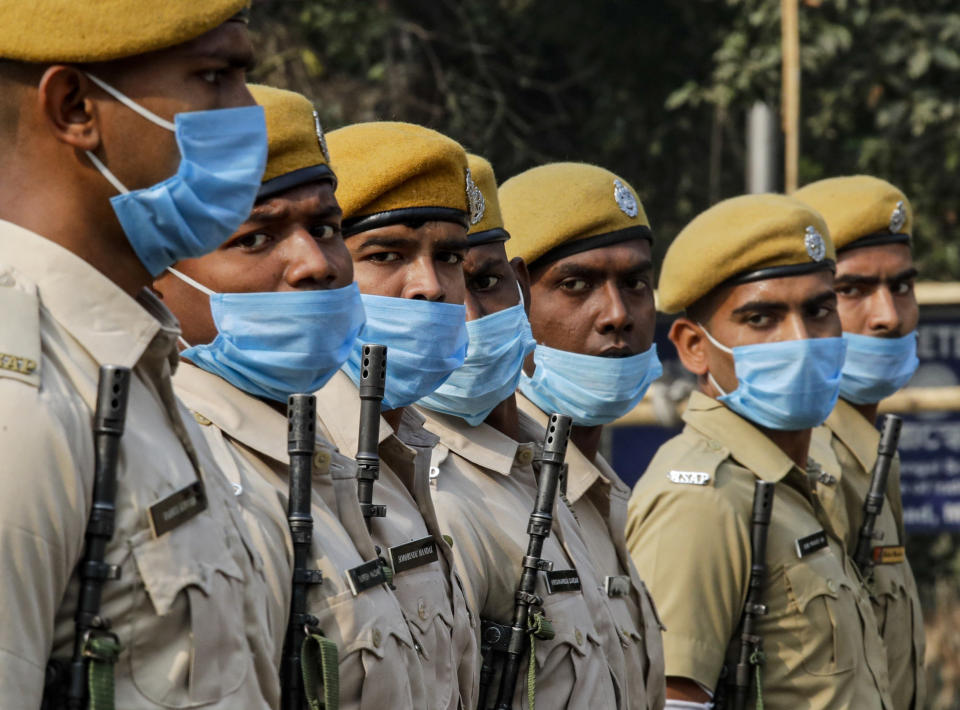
[379, 666]
[598, 499]
[692, 539]
[484, 489]
[893, 589]
[445, 631]
[189, 607]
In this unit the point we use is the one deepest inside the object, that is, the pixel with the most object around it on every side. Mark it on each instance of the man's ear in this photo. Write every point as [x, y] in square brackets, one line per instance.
[71, 114]
[690, 342]
[520, 270]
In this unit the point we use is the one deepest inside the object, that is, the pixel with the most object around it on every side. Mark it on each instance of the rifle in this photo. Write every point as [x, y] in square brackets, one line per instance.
[751, 644]
[541, 521]
[873, 503]
[95, 647]
[301, 443]
[373, 376]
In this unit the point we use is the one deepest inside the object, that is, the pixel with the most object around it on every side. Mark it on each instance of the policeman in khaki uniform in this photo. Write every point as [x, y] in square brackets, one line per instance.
[402, 191]
[292, 245]
[187, 608]
[752, 278]
[870, 221]
[484, 487]
[586, 240]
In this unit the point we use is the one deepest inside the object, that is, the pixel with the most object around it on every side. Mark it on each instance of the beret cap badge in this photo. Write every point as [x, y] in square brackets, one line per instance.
[898, 218]
[477, 204]
[321, 139]
[813, 240]
[625, 199]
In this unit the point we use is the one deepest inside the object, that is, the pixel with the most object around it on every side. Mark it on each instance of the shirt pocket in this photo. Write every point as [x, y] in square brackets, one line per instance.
[424, 596]
[188, 646]
[894, 610]
[827, 622]
[572, 662]
[377, 662]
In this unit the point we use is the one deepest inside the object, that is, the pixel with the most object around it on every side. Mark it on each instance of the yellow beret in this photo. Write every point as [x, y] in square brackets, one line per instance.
[486, 222]
[397, 172]
[104, 30]
[860, 210]
[747, 238]
[560, 209]
[297, 148]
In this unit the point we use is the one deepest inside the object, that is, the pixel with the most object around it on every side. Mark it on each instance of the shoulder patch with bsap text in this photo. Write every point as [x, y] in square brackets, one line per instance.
[20, 335]
[690, 478]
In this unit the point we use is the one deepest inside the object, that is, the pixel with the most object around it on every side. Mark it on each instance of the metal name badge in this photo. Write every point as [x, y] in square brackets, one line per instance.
[690, 478]
[810, 544]
[177, 508]
[562, 580]
[412, 554]
[362, 577]
[617, 585]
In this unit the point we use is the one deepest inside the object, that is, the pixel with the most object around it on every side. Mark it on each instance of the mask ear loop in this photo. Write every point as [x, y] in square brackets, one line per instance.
[187, 280]
[719, 346]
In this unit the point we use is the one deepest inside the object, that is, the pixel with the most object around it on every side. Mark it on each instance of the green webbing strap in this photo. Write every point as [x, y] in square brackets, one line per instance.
[320, 663]
[538, 627]
[758, 658]
[387, 572]
[102, 652]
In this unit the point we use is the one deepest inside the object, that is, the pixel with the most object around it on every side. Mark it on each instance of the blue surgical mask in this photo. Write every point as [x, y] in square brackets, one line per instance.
[426, 341]
[274, 344]
[223, 154]
[789, 385]
[875, 368]
[593, 390]
[498, 345]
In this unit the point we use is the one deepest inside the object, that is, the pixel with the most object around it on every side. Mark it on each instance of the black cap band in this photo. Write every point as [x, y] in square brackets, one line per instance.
[562, 251]
[488, 236]
[355, 225]
[779, 272]
[875, 240]
[315, 173]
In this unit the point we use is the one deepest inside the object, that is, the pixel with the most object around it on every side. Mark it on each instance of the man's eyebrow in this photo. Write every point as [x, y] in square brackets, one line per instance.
[865, 280]
[760, 306]
[905, 275]
[269, 212]
[390, 242]
[226, 50]
[451, 244]
[821, 297]
[567, 270]
[487, 264]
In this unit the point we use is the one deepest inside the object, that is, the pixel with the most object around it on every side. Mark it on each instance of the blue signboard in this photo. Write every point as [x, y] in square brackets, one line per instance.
[929, 442]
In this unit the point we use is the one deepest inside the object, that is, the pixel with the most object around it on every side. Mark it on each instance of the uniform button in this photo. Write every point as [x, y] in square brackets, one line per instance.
[321, 462]
[201, 420]
[624, 637]
[377, 638]
[524, 457]
[422, 610]
[579, 636]
[419, 648]
[237, 489]
[832, 585]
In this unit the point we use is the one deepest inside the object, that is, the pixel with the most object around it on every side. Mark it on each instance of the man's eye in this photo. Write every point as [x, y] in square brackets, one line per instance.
[211, 76]
[902, 288]
[637, 284]
[848, 291]
[759, 320]
[252, 242]
[483, 283]
[575, 285]
[323, 231]
[450, 257]
[384, 257]
[822, 311]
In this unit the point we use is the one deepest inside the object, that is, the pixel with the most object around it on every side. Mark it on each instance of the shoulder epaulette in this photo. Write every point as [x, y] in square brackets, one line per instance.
[19, 330]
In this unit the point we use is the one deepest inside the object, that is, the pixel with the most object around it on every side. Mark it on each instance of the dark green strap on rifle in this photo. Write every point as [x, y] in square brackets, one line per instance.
[538, 627]
[320, 663]
[757, 659]
[101, 653]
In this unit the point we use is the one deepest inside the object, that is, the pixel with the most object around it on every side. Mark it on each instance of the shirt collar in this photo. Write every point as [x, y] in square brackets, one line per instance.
[239, 414]
[582, 473]
[745, 442]
[113, 327]
[338, 405]
[856, 433]
[481, 445]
